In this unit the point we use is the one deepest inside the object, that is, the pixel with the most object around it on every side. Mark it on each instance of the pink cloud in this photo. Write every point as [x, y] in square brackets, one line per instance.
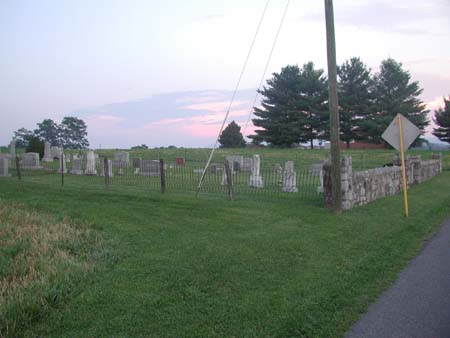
[218, 107]
[201, 130]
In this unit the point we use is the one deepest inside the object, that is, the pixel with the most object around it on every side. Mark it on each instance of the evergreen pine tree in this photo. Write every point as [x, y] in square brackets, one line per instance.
[293, 107]
[311, 105]
[355, 98]
[276, 117]
[231, 137]
[442, 120]
[394, 93]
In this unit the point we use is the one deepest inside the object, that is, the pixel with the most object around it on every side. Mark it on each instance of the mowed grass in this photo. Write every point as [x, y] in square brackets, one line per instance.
[255, 267]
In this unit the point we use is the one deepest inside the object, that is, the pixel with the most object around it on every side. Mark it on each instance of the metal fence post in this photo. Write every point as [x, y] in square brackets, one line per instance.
[106, 172]
[163, 176]
[229, 180]
[62, 168]
[19, 175]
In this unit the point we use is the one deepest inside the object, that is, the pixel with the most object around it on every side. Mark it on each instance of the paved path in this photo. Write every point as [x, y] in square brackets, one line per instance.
[418, 304]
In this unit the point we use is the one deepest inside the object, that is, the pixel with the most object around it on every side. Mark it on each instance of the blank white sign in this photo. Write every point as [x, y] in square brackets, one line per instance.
[392, 133]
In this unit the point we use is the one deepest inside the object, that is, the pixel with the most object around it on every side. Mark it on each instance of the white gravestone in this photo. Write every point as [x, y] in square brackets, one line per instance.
[256, 180]
[247, 164]
[90, 163]
[30, 161]
[56, 152]
[317, 170]
[47, 153]
[122, 156]
[236, 161]
[3, 166]
[289, 178]
[76, 166]
[12, 149]
[110, 168]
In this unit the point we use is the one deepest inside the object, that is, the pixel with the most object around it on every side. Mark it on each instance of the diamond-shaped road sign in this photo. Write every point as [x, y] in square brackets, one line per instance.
[392, 133]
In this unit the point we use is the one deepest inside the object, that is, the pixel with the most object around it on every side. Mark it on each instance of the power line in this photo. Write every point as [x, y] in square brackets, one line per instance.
[233, 96]
[267, 66]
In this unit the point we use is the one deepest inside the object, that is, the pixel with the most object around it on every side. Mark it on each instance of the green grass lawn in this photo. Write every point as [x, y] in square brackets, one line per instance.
[255, 267]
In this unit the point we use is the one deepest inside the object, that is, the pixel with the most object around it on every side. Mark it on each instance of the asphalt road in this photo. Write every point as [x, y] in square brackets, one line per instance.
[418, 303]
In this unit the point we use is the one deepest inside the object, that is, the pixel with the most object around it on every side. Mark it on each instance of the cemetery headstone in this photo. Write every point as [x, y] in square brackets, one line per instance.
[289, 178]
[110, 168]
[56, 152]
[30, 161]
[277, 169]
[47, 153]
[12, 149]
[256, 180]
[236, 161]
[213, 168]
[122, 156]
[180, 161]
[236, 166]
[121, 167]
[76, 166]
[137, 163]
[150, 168]
[4, 166]
[247, 164]
[90, 163]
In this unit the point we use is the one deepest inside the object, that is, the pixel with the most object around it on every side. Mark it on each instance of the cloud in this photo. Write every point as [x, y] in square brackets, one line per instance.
[105, 118]
[209, 17]
[390, 16]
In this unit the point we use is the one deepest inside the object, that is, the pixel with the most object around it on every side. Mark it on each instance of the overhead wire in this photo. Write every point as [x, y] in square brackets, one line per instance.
[267, 65]
[233, 96]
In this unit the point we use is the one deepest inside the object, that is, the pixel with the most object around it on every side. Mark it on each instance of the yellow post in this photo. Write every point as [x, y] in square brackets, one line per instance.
[402, 155]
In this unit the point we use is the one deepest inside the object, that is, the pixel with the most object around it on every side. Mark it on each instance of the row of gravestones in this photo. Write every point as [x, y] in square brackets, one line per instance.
[152, 167]
[121, 162]
[289, 179]
[256, 180]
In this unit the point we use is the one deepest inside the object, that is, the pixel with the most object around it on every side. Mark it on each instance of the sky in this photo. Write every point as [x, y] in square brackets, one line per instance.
[162, 73]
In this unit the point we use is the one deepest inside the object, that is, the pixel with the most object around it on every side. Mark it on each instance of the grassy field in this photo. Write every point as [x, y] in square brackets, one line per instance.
[206, 267]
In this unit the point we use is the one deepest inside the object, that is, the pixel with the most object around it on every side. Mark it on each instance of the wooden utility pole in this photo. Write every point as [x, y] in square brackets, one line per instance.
[334, 110]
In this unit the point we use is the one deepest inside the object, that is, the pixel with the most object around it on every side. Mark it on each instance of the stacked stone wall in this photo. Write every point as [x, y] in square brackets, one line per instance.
[361, 187]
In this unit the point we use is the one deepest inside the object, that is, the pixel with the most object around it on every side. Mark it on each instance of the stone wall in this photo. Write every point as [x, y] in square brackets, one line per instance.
[362, 187]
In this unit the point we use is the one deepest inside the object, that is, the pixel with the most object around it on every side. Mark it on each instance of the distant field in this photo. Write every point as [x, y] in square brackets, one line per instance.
[362, 159]
[206, 267]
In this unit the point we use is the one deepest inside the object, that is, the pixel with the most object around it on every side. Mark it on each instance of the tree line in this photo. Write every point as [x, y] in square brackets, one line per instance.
[70, 134]
[294, 107]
